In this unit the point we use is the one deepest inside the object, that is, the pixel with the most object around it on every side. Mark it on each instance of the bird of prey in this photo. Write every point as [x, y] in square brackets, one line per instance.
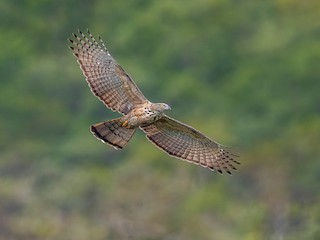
[115, 88]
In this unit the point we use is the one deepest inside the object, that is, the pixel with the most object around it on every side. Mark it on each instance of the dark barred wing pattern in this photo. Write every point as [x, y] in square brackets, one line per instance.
[184, 142]
[107, 80]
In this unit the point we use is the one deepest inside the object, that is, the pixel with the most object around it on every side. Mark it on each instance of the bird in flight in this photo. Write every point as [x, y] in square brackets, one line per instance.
[115, 88]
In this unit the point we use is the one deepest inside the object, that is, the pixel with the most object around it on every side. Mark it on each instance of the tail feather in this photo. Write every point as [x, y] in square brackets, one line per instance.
[113, 133]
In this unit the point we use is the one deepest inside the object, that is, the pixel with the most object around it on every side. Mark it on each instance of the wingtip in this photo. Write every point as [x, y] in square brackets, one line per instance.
[233, 167]
[235, 161]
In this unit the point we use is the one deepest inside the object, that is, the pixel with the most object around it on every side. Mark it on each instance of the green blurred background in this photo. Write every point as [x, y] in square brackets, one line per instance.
[246, 73]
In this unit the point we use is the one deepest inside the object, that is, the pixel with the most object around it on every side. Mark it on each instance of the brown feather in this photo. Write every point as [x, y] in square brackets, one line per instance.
[113, 133]
[184, 142]
[107, 80]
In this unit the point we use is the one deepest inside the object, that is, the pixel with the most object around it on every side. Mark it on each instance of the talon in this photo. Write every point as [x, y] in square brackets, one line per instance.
[125, 124]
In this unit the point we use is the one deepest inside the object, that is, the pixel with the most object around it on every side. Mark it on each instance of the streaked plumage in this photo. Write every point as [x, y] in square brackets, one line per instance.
[114, 87]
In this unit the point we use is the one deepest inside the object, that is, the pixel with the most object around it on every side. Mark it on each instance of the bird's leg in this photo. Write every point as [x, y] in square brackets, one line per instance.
[125, 123]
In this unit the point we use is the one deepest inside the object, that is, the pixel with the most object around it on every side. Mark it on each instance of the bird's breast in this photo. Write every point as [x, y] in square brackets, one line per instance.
[142, 116]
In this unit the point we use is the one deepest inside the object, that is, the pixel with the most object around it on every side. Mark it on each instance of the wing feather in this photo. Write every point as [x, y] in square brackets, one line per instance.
[107, 79]
[184, 142]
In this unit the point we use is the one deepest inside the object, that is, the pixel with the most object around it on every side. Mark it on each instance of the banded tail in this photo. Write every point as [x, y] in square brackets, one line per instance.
[113, 133]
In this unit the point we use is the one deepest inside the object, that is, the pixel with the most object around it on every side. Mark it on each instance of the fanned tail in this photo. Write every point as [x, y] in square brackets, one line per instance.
[113, 132]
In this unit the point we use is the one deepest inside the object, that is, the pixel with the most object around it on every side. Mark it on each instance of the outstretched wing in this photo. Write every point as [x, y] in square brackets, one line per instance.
[106, 78]
[184, 142]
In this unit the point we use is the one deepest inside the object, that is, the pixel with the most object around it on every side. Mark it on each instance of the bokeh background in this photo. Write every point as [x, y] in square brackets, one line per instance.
[246, 73]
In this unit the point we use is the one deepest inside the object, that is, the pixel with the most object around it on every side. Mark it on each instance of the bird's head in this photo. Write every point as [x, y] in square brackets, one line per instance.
[160, 107]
